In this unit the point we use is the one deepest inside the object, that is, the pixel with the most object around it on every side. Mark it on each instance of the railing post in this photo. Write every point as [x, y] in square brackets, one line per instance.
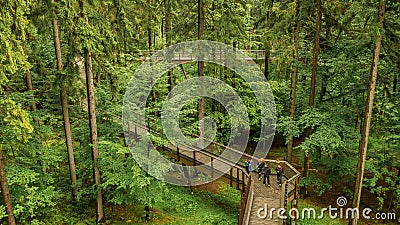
[187, 176]
[177, 152]
[194, 158]
[136, 134]
[294, 203]
[220, 53]
[231, 176]
[243, 184]
[282, 196]
[212, 167]
[148, 124]
[285, 200]
[237, 175]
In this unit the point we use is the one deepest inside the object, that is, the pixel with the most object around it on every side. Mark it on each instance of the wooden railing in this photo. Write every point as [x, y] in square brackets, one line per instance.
[237, 175]
[187, 55]
[245, 203]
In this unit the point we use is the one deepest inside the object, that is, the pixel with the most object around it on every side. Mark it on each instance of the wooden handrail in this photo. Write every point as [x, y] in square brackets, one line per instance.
[228, 162]
[245, 179]
[180, 55]
[204, 152]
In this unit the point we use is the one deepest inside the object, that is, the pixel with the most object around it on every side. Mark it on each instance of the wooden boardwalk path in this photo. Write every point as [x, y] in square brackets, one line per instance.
[181, 57]
[264, 196]
[255, 195]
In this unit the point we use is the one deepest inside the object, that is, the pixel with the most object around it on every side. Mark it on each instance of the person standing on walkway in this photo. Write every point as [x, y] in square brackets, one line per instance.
[260, 167]
[248, 166]
[279, 174]
[267, 172]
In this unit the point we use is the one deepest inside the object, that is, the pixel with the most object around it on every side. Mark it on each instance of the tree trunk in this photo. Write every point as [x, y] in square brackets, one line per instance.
[29, 86]
[315, 54]
[368, 114]
[233, 71]
[93, 126]
[68, 141]
[168, 38]
[395, 83]
[268, 44]
[93, 131]
[98, 79]
[293, 79]
[5, 194]
[200, 69]
[325, 46]
[154, 39]
[266, 61]
[149, 42]
[150, 45]
[65, 112]
[306, 163]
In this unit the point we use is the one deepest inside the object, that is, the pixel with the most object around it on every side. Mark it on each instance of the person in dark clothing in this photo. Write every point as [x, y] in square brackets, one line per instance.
[267, 172]
[248, 166]
[279, 174]
[260, 167]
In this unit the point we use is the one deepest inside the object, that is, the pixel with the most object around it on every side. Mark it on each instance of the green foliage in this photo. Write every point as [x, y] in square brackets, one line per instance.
[3, 213]
[122, 177]
[203, 207]
[316, 182]
[115, 31]
[33, 191]
[15, 120]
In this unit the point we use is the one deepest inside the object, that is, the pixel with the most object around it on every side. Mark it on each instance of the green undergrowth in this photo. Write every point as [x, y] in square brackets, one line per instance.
[177, 206]
[181, 207]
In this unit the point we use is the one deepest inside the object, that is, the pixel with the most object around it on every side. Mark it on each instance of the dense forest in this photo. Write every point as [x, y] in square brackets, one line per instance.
[332, 65]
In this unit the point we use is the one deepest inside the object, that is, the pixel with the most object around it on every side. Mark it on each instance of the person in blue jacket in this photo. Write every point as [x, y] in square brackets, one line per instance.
[248, 166]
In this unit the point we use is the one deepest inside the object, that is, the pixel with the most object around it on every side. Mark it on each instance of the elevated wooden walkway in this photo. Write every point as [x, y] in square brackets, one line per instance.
[264, 196]
[256, 198]
[181, 57]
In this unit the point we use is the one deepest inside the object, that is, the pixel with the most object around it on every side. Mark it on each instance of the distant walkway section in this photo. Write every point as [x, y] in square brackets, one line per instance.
[181, 57]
